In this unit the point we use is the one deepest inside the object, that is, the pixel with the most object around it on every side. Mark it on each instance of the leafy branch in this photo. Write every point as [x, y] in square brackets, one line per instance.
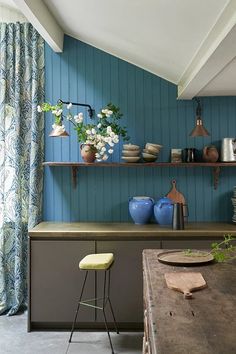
[221, 251]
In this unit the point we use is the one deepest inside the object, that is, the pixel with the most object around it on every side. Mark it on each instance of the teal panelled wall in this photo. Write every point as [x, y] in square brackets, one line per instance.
[83, 73]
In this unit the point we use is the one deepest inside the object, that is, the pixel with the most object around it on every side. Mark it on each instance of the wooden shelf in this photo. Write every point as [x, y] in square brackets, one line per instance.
[75, 165]
[141, 164]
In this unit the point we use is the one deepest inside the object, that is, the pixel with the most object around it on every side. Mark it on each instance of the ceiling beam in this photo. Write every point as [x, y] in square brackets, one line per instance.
[215, 53]
[41, 18]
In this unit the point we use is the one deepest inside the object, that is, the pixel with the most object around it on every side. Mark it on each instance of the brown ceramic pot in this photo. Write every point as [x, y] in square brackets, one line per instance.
[88, 152]
[210, 154]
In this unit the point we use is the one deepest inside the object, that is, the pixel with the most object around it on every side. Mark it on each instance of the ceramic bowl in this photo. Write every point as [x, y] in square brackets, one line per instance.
[131, 147]
[156, 146]
[149, 157]
[130, 153]
[131, 159]
[152, 150]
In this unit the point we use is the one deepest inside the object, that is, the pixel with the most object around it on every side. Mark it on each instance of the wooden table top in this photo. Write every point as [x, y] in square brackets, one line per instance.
[96, 230]
[205, 324]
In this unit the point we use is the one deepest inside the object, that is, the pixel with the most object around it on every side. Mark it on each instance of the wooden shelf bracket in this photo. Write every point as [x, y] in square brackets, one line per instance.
[74, 170]
[216, 176]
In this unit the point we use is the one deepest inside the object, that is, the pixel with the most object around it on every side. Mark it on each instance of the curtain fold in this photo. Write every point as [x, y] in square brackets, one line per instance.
[21, 155]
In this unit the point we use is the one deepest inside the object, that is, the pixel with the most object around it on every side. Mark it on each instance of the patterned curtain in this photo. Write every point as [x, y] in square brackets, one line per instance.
[21, 155]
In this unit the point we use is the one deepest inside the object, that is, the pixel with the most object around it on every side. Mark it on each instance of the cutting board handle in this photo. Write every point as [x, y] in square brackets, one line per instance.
[173, 183]
[187, 294]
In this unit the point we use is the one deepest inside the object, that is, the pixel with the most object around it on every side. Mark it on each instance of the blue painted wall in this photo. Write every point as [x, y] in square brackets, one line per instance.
[83, 73]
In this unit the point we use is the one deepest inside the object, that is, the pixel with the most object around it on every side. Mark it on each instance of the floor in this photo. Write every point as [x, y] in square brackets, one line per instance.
[14, 339]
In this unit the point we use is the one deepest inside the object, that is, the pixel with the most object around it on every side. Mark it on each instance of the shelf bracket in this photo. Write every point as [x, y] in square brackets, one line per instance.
[216, 176]
[74, 170]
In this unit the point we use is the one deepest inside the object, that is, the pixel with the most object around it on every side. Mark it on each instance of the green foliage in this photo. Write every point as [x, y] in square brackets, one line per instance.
[222, 251]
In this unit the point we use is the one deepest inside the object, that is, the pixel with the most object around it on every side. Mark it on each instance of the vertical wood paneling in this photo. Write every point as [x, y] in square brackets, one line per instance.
[152, 113]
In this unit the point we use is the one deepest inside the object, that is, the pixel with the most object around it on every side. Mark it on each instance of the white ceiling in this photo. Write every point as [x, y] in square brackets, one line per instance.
[9, 3]
[161, 36]
[188, 42]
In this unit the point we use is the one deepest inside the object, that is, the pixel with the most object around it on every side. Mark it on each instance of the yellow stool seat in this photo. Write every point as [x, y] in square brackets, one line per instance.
[99, 261]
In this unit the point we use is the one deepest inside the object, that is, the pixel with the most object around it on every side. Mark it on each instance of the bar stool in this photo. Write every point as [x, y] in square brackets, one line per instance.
[97, 262]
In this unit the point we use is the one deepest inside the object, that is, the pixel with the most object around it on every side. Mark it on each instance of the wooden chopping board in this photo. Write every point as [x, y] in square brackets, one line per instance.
[175, 195]
[185, 282]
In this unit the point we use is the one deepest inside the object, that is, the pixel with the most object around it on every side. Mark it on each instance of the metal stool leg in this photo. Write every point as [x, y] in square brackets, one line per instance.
[108, 298]
[78, 306]
[104, 315]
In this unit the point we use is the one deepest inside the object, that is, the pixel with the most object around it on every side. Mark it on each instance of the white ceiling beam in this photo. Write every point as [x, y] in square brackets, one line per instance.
[214, 54]
[41, 18]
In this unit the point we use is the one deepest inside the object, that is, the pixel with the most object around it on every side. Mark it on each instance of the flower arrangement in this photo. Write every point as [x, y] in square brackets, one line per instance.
[101, 135]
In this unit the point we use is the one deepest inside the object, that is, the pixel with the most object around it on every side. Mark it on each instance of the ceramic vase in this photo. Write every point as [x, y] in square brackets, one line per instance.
[141, 209]
[163, 211]
[88, 153]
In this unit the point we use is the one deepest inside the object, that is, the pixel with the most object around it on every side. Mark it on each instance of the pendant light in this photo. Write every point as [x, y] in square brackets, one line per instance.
[57, 131]
[199, 129]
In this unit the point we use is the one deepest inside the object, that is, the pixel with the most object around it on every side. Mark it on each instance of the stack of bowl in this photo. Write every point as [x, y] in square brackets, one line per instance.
[234, 205]
[130, 153]
[151, 152]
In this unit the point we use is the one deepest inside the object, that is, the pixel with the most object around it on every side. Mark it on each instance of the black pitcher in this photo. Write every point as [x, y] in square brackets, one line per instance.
[178, 217]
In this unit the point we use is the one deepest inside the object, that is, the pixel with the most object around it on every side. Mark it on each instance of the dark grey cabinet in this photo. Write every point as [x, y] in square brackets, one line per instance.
[126, 279]
[55, 280]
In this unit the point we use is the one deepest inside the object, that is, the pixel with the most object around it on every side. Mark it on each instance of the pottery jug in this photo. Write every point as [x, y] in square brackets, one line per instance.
[210, 154]
[163, 211]
[141, 209]
[88, 152]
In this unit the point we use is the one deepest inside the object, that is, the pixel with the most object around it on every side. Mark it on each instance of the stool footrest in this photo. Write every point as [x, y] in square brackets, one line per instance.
[86, 302]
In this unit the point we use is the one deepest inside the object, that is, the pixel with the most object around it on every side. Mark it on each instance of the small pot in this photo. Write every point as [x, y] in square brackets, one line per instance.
[88, 153]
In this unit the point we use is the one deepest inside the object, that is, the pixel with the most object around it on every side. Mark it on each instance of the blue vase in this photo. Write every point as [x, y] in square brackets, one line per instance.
[163, 211]
[141, 209]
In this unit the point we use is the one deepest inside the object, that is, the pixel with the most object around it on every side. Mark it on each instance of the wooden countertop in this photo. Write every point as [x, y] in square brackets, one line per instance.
[205, 324]
[128, 231]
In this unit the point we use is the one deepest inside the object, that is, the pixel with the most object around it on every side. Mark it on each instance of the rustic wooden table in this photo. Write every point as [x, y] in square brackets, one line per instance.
[205, 324]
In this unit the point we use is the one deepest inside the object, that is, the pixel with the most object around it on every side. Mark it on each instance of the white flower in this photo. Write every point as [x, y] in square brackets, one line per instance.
[93, 131]
[111, 143]
[107, 115]
[69, 106]
[110, 151]
[103, 149]
[109, 130]
[39, 109]
[116, 139]
[99, 125]
[100, 145]
[57, 112]
[104, 111]
[112, 135]
[88, 132]
[97, 155]
[79, 118]
[99, 115]
[105, 157]
[110, 112]
[106, 139]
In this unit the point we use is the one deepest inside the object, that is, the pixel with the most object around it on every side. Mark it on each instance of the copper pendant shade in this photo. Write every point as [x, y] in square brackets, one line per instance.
[199, 129]
[55, 134]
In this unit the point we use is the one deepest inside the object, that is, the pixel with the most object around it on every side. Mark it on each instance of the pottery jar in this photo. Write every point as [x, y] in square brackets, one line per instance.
[88, 152]
[210, 154]
[141, 209]
[163, 211]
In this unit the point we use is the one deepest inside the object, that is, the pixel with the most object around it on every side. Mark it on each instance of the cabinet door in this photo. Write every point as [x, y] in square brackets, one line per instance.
[126, 290]
[56, 280]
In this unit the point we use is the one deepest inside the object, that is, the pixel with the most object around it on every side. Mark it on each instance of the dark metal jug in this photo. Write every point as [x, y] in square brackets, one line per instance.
[178, 217]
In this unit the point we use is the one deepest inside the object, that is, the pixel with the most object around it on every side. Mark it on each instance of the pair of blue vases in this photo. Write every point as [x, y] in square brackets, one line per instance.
[141, 210]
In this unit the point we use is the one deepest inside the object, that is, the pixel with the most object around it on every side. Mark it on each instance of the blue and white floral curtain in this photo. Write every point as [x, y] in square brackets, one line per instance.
[21, 155]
